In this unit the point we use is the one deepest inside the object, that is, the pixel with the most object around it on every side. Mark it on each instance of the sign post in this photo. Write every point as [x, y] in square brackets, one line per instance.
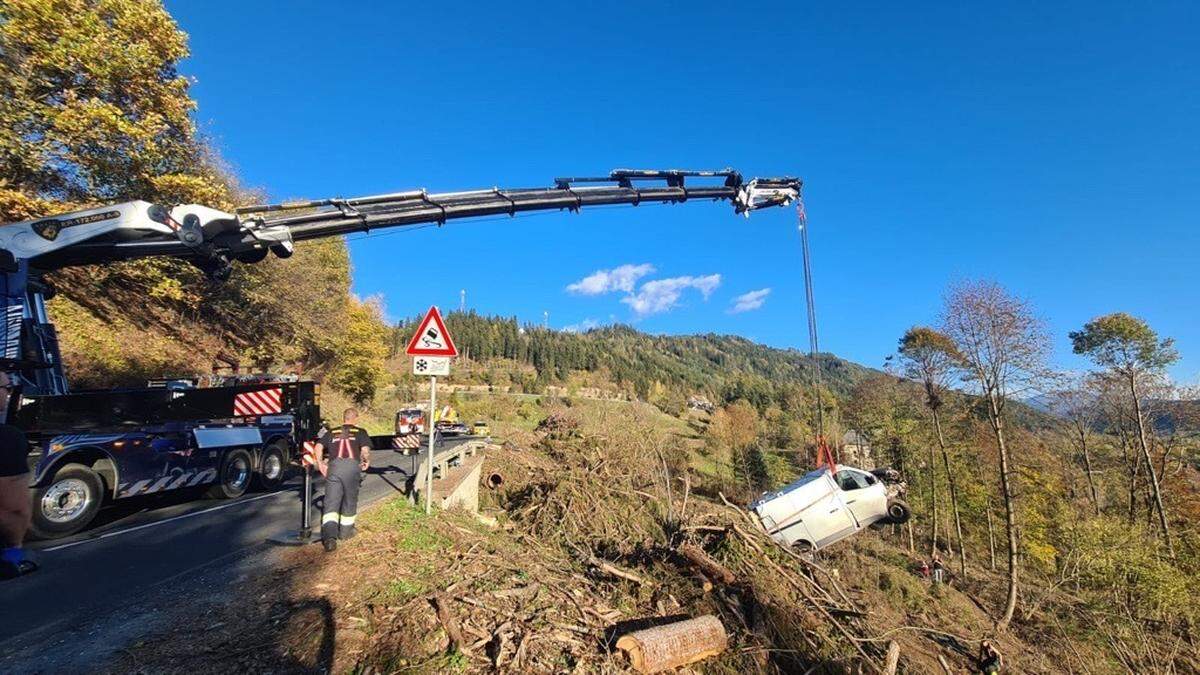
[432, 436]
[431, 349]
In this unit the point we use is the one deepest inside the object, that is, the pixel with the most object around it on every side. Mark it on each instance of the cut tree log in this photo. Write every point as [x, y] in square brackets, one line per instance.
[893, 658]
[449, 624]
[672, 645]
[713, 569]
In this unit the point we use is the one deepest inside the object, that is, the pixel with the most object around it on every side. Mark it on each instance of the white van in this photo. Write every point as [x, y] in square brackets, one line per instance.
[824, 507]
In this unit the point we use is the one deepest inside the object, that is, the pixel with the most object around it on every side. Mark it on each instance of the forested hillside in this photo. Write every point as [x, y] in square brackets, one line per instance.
[720, 366]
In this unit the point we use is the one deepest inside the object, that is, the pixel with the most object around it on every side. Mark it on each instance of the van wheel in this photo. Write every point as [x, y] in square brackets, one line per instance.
[271, 466]
[898, 512]
[234, 475]
[805, 550]
[67, 503]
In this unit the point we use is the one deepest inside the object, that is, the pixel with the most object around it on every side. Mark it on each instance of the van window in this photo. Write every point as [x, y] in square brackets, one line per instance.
[851, 480]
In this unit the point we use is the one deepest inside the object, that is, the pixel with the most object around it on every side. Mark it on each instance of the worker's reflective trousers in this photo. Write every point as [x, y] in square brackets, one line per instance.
[341, 498]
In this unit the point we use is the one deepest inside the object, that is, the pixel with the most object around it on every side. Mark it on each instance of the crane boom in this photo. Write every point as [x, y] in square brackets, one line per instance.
[213, 239]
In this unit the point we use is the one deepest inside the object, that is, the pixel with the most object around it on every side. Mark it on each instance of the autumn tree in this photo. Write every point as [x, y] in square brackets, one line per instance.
[1002, 348]
[928, 356]
[732, 436]
[359, 369]
[1133, 354]
[92, 108]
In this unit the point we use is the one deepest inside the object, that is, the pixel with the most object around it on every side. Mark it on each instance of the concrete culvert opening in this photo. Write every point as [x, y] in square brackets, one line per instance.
[494, 480]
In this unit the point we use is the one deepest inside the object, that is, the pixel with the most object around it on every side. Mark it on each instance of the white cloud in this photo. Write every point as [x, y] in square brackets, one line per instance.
[622, 278]
[661, 295]
[581, 327]
[749, 301]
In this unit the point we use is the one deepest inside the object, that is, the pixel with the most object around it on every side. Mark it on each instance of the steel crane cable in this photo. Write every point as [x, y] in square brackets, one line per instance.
[824, 454]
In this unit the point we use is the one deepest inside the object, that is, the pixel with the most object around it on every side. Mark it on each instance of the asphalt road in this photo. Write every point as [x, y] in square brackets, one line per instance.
[140, 550]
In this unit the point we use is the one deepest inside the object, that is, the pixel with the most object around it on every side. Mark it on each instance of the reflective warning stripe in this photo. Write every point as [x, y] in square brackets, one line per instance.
[330, 517]
[262, 402]
[166, 483]
[205, 476]
[346, 520]
[136, 488]
[162, 482]
[401, 442]
[312, 453]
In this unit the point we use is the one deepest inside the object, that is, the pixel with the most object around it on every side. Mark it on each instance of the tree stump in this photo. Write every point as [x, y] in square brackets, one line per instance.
[675, 644]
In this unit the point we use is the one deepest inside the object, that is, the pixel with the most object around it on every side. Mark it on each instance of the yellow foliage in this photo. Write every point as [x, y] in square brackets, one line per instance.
[360, 364]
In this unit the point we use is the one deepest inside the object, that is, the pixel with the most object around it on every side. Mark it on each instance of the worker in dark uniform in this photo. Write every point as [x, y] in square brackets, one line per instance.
[16, 508]
[990, 661]
[347, 454]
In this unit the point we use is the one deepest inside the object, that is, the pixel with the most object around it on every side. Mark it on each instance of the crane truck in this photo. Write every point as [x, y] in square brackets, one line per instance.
[91, 447]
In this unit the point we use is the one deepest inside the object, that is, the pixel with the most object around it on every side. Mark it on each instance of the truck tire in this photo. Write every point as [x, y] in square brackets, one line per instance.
[898, 511]
[233, 478]
[272, 466]
[67, 503]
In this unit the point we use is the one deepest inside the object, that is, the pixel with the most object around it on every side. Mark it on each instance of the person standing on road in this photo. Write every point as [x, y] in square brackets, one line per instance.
[347, 454]
[16, 509]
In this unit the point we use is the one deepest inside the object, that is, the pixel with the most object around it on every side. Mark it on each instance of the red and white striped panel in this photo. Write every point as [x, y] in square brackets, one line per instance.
[312, 451]
[262, 402]
[406, 442]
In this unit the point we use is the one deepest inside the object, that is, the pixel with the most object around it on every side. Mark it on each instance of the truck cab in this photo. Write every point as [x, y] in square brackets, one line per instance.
[410, 421]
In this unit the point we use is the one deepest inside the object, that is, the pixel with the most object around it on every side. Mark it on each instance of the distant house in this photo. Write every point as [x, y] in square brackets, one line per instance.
[856, 450]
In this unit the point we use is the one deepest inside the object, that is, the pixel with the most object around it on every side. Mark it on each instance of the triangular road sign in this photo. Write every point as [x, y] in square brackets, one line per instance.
[431, 338]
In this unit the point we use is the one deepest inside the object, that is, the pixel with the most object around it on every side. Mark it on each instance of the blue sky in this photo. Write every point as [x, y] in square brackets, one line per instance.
[1053, 149]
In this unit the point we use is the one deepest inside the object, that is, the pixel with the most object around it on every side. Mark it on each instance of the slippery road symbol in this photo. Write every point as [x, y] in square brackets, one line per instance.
[432, 339]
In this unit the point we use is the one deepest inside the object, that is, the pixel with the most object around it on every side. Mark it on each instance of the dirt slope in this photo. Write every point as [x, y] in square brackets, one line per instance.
[600, 520]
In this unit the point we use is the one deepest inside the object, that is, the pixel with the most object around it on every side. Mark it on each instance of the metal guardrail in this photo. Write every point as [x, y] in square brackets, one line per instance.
[443, 461]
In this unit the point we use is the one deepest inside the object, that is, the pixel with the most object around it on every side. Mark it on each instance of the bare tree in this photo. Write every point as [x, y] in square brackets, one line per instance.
[1002, 347]
[1113, 406]
[1079, 405]
[1132, 353]
[928, 356]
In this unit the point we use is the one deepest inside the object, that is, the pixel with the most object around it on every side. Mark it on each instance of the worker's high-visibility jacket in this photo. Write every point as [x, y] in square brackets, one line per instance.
[343, 448]
[345, 442]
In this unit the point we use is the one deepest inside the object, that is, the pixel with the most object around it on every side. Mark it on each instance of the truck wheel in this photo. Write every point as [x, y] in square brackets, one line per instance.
[898, 512]
[234, 476]
[67, 503]
[271, 466]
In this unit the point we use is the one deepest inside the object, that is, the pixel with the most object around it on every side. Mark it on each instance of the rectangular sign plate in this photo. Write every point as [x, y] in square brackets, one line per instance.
[431, 365]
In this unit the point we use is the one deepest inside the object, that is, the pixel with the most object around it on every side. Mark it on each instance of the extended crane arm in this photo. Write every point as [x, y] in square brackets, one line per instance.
[212, 239]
